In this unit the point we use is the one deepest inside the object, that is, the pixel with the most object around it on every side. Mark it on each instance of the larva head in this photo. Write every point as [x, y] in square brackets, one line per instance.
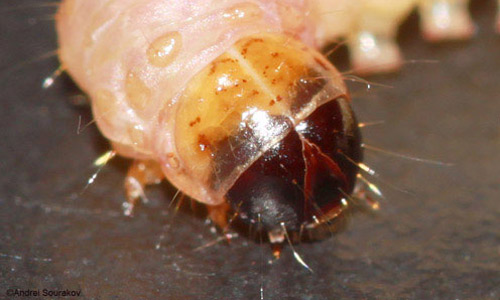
[267, 127]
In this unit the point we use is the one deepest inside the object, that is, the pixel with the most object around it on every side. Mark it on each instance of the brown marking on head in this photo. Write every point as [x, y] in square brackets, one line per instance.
[219, 90]
[195, 121]
[254, 40]
[213, 66]
[204, 143]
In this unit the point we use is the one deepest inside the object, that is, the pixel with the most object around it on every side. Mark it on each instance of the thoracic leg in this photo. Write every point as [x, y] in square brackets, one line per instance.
[372, 44]
[140, 174]
[445, 19]
[370, 27]
[218, 214]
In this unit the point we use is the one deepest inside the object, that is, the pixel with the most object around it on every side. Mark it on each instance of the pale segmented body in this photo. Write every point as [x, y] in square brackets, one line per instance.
[146, 65]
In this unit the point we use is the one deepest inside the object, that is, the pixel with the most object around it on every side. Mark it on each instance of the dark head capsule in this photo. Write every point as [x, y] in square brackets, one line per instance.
[304, 178]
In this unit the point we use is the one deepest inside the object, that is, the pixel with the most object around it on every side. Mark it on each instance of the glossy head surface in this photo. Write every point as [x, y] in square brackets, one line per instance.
[304, 178]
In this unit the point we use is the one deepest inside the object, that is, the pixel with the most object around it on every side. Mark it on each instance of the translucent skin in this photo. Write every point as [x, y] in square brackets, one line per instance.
[144, 65]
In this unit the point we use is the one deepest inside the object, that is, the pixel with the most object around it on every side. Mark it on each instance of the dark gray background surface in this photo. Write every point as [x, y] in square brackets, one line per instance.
[441, 243]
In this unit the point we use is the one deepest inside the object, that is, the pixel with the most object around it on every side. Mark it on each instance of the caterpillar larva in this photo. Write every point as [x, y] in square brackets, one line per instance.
[441, 244]
[229, 100]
